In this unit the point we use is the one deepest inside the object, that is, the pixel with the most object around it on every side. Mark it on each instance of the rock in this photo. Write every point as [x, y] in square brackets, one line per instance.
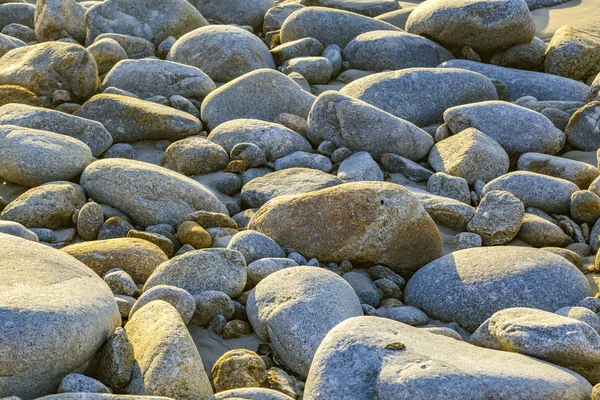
[445, 185]
[584, 126]
[211, 220]
[182, 300]
[275, 140]
[99, 396]
[539, 232]
[222, 52]
[388, 50]
[573, 53]
[369, 8]
[522, 56]
[113, 228]
[149, 194]
[135, 47]
[408, 315]
[107, 53]
[537, 4]
[254, 246]
[120, 282]
[542, 334]
[89, 132]
[59, 19]
[527, 83]
[17, 94]
[115, 360]
[470, 154]
[580, 173]
[60, 314]
[452, 288]
[193, 234]
[549, 194]
[365, 289]
[17, 13]
[401, 92]
[329, 26]
[392, 227]
[517, 129]
[154, 21]
[445, 211]
[51, 157]
[65, 66]
[285, 182]
[195, 156]
[250, 394]
[316, 70]
[77, 383]
[211, 306]
[262, 94]
[8, 43]
[354, 124]
[415, 172]
[197, 271]
[238, 368]
[305, 47]
[47, 206]
[167, 361]
[260, 269]
[585, 207]
[129, 119]
[360, 167]
[301, 159]
[498, 218]
[398, 361]
[486, 26]
[250, 153]
[581, 314]
[16, 229]
[249, 13]
[295, 308]
[139, 258]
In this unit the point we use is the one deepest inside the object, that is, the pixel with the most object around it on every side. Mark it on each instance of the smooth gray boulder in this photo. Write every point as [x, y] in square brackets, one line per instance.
[129, 119]
[389, 50]
[195, 156]
[486, 26]
[522, 83]
[179, 298]
[498, 218]
[244, 13]
[198, 271]
[580, 173]
[549, 194]
[153, 20]
[584, 126]
[147, 78]
[294, 308]
[329, 26]
[352, 123]
[92, 133]
[16, 229]
[63, 66]
[222, 52]
[369, 8]
[288, 181]
[262, 94]
[387, 360]
[149, 194]
[517, 129]
[15, 12]
[421, 95]
[260, 269]
[59, 19]
[135, 47]
[468, 286]
[445, 211]
[360, 167]
[57, 312]
[50, 156]
[274, 139]
[254, 246]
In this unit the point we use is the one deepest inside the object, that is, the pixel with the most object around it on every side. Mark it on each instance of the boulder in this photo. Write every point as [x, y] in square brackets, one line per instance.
[498, 218]
[486, 26]
[389, 50]
[147, 78]
[580, 173]
[14, 12]
[92, 133]
[149, 194]
[137, 257]
[250, 394]
[369, 8]
[46, 67]
[295, 308]
[421, 95]
[244, 13]
[195, 156]
[275, 140]
[468, 286]
[59, 19]
[254, 246]
[329, 26]
[583, 129]
[134, 46]
[573, 53]
[153, 20]
[445, 211]
[167, 362]
[8, 43]
[60, 315]
[222, 52]
[522, 83]
[352, 123]
[363, 222]
[50, 156]
[262, 94]
[386, 359]
[129, 119]
[517, 129]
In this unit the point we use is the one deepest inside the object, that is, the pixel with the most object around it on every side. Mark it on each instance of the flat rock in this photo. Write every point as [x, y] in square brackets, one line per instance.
[263, 94]
[149, 194]
[468, 286]
[392, 228]
[421, 95]
[386, 359]
[60, 315]
[129, 119]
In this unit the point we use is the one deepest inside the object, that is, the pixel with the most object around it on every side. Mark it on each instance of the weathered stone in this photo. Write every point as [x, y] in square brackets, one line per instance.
[316, 70]
[134, 46]
[583, 129]
[573, 53]
[59, 19]
[238, 369]
[580, 173]
[195, 156]
[522, 56]
[15, 12]
[182, 300]
[237, 12]
[445, 211]
[539, 232]
[498, 218]
[77, 383]
[107, 52]
[305, 47]
[250, 394]
[115, 360]
[16, 229]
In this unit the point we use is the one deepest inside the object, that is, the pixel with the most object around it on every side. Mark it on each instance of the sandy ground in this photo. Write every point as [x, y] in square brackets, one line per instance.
[584, 14]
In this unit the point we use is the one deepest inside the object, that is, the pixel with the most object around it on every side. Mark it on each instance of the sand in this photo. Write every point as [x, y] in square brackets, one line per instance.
[584, 14]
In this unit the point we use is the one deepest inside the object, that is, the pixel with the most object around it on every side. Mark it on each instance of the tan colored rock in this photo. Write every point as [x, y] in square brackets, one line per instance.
[18, 94]
[573, 53]
[237, 369]
[193, 234]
